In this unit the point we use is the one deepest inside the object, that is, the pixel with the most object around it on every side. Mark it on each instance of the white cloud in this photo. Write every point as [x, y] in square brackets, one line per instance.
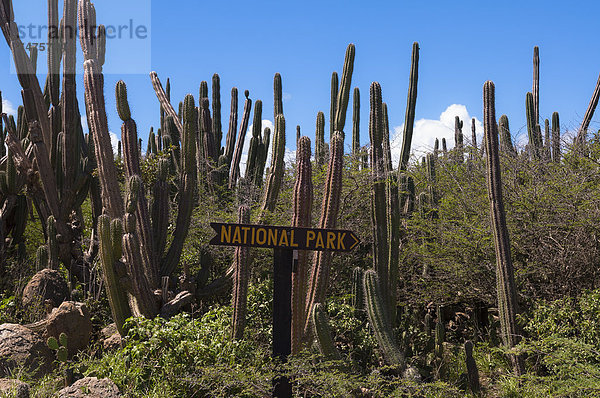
[114, 140]
[286, 96]
[427, 130]
[8, 107]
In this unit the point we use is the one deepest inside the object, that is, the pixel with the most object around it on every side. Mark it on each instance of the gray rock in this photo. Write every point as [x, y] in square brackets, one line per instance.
[47, 284]
[74, 320]
[91, 387]
[20, 346]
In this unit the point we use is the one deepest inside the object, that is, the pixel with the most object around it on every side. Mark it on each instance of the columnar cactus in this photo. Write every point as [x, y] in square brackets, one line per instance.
[380, 322]
[319, 275]
[536, 84]
[555, 138]
[506, 145]
[547, 140]
[322, 332]
[378, 192]
[343, 95]
[458, 139]
[444, 147]
[473, 136]
[507, 294]
[217, 129]
[333, 105]
[358, 297]
[255, 144]
[234, 173]
[239, 300]
[303, 198]
[356, 123]
[277, 95]
[533, 128]
[320, 140]
[275, 176]
[589, 113]
[230, 139]
[411, 104]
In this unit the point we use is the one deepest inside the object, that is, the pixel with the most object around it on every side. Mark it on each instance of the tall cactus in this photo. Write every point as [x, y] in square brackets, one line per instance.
[230, 139]
[255, 143]
[234, 172]
[275, 176]
[344, 92]
[379, 320]
[507, 294]
[536, 84]
[319, 275]
[458, 139]
[356, 123]
[239, 300]
[320, 140]
[217, 129]
[473, 136]
[533, 128]
[333, 105]
[589, 113]
[506, 145]
[411, 104]
[278, 96]
[555, 138]
[303, 198]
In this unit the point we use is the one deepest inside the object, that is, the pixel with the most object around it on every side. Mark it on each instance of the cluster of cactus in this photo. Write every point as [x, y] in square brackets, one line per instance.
[50, 135]
[259, 147]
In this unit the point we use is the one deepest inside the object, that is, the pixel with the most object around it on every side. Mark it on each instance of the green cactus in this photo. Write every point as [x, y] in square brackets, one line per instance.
[536, 85]
[358, 297]
[41, 258]
[237, 155]
[343, 95]
[546, 152]
[411, 104]
[380, 323]
[458, 140]
[473, 137]
[241, 276]
[62, 352]
[275, 176]
[440, 334]
[302, 200]
[533, 128]
[320, 140]
[506, 145]
[333, 105]
[555, 138]
[255, 144]
[356, 123]
[507, 294]
[53, 249]
[589, 113]
[277, 95]
[217, 129]
[322, 332]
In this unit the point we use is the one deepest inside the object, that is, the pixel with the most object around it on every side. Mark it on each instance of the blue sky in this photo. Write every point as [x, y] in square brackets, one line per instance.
[463, 44]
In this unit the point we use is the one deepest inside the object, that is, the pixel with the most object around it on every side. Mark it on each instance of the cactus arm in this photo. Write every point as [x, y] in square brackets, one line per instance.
[217, 129]
[555, 137]
[344, 91]
[356, 122]
[589, 113]
[235, 164]
[333, 105]
[320, 140]
[277, 170]
[322, 332]
[164, 101]
[536, 84]
[187, 186]
[233, 115]
[411, 104]
[277, 96]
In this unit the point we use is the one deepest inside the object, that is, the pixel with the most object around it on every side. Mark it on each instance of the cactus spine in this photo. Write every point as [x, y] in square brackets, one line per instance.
[555, 138]
[303, 198]
[507, 294]
[241, 276]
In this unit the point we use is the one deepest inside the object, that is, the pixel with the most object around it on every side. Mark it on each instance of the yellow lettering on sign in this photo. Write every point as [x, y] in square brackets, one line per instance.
[253, 234]
[237, 236]
[310, 235]
[319, 242]
[340, 239]
[261, 239]
[292, 243]
[283, 241]
[245, 229]
[330, 240]
[272, 237]
[225, 234]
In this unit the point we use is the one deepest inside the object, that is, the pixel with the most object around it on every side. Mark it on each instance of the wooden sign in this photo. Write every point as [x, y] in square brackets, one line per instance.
[269, 236]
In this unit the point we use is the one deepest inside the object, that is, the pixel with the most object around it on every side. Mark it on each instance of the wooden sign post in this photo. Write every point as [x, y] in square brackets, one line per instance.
[286, 241]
